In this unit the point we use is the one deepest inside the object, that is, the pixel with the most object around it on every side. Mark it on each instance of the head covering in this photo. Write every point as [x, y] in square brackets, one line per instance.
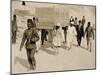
[58, 24]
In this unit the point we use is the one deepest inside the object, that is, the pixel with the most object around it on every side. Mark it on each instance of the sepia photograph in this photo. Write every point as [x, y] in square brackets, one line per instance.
[52, 37]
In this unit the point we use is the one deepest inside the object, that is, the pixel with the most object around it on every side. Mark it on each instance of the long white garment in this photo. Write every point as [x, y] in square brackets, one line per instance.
[62, 34]
[57, 38]
[38, 43]
[71, 32]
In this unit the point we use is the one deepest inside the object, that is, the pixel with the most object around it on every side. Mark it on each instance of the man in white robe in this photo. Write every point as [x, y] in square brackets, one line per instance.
[71, 33]
[58, 37]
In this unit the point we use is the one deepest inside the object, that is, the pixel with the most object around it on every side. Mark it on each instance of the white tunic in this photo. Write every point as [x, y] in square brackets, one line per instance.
[71, 32]
[57, 38]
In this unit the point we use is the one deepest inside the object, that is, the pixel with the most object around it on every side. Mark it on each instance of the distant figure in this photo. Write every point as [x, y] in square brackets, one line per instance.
[38, 43]
[44, 34]
[71, 19]
[80, 33]
[30, 37]
[34, 22]
[23, 3]
[71, 32]
[89, 35]
[14, 29]
[83, 20]
[65, 32]
[75, 22]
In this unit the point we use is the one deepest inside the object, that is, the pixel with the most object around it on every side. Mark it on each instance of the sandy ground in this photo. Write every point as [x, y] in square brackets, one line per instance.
[48, 60]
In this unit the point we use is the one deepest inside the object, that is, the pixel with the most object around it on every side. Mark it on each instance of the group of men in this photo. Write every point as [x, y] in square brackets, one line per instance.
[30, 36]
[76, 28]
[81, 32]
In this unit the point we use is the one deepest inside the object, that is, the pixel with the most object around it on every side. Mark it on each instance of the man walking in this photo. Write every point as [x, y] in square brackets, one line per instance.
[14, 29]
[30, 37]
[71, 33]
[80, 32]
[83, 20]
[89, 36]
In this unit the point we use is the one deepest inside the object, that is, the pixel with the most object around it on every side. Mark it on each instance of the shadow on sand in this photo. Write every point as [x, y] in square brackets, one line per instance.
[81, 47]
[47, 50]
[21, 61]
